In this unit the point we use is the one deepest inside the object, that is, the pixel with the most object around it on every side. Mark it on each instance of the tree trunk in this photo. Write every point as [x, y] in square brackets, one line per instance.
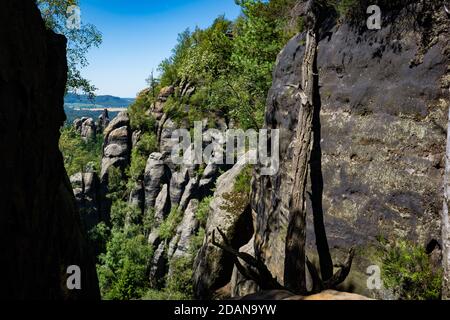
[295, 258]
[446, 222]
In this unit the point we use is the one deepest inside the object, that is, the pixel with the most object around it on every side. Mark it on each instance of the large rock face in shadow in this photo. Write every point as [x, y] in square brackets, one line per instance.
[40, 229]
[383, 123]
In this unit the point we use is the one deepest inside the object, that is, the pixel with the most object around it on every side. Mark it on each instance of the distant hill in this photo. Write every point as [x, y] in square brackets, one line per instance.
[105, 101]
[78, 106]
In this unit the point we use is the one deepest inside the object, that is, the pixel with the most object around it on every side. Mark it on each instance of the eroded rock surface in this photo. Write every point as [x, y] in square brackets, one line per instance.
[383, 123]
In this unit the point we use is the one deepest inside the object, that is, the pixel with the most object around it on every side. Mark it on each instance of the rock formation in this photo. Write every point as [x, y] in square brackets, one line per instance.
[86, 127]
[40, 228]
[213, 267]
[379, 159]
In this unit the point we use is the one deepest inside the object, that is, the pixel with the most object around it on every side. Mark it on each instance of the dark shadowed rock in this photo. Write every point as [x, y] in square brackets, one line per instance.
[86, 188]
[40, 228]
[177, 185]
[241, 286]
[382, 140]
[158, 267]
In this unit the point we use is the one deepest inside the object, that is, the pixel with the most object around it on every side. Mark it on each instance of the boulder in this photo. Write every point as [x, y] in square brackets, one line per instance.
[156, 174]
[213, 268]
[186, 230]
[88, 129]
[241, 286]
[86, 188]
[178, 183]
[166, 92]
[158, 267]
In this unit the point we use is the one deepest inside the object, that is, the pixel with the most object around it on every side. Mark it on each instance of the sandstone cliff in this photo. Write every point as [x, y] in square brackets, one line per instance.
[379, 159]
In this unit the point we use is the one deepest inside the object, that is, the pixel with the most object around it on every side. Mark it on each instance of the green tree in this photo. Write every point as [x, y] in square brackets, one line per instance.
[123, 268]
[79, 41]
[78, 155]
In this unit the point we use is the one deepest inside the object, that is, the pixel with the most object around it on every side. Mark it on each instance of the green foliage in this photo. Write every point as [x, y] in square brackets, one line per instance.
[197, 241]
[79, 41]
[148, 220]
[137, 165]
[230, 63]
[80, 155]
[181, 278]
[203, 210]
[139, 120]
[123, 214]
[147, 144]
[98, 237]
[169, 226]
[163, 295]
[242, 183]
[123, 268]
[238, 200]
[407, 270]
[117, 185]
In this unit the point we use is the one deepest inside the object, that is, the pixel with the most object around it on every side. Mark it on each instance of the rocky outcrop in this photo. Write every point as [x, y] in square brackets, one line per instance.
[103, 121]
[86, 188]
[383, 121]
[40, 228]
[213, 267]
[86, 127]
[181, 243]
[241, 286]
[117, 145]
[156, 174]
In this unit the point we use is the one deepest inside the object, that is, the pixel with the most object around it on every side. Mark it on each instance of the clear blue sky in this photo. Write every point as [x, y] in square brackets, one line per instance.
[139, 34]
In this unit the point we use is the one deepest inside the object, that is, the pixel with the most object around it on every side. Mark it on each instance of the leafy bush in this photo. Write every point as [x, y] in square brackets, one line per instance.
[169, 226]
[117, 185]
[123, 268]
[408, 271]
[242, 183]
[79, 155]
[180, 280]
[203, 210]
[139, 119]
[123, 213]
[137, 165]
[98, 238]
[147, 144]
